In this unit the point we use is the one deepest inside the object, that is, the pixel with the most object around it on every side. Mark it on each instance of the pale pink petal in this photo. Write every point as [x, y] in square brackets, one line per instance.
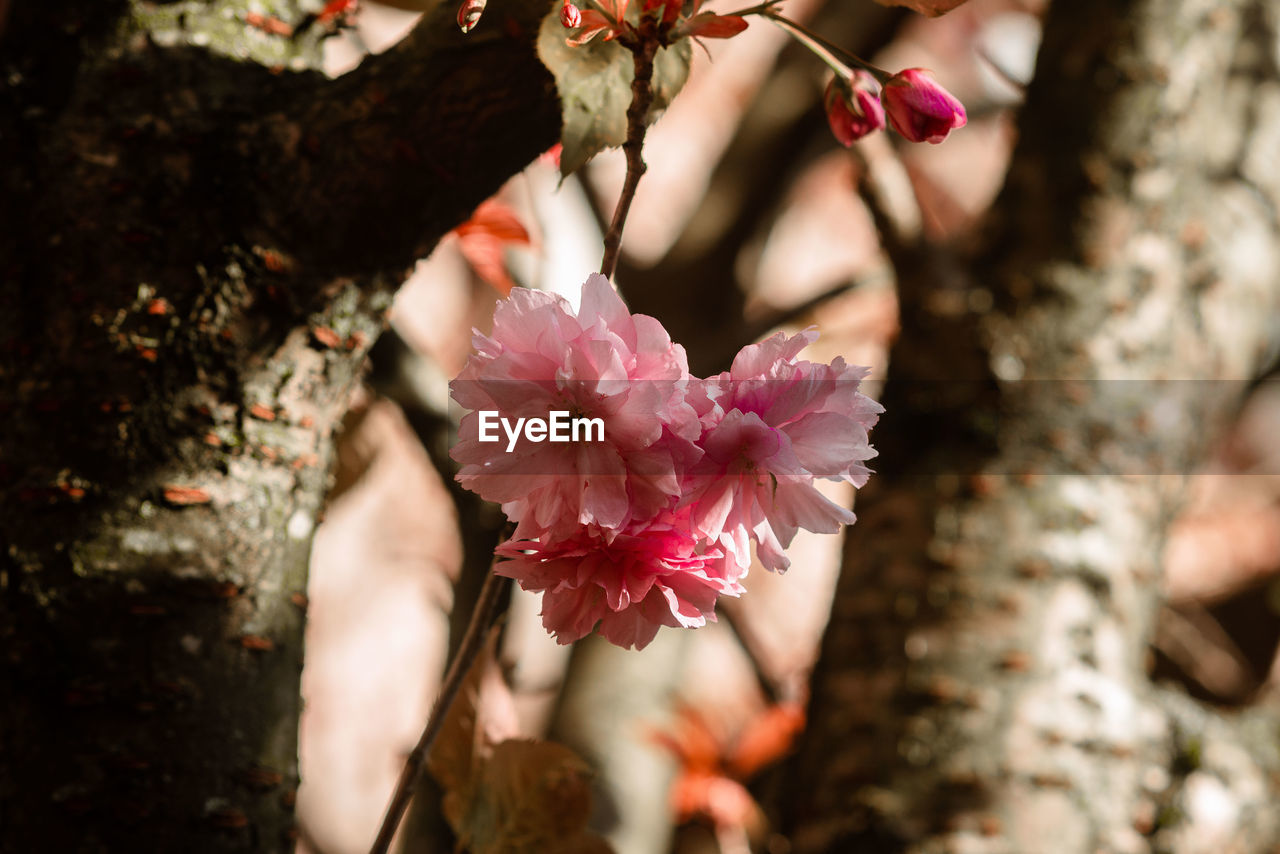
[797, 504]
[571, 615]
[631, 628]
[826, 443]
[601, 305]
[757, 359]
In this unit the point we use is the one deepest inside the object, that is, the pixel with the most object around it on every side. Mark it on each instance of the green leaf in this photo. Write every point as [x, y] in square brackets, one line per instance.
[594, 81]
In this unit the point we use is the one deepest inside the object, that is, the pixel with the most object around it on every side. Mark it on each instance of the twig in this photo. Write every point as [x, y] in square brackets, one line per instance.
[885, 187]
[482, 618]
[764, 325]
[837, 59]
[643, 49]
[774, 689]
[1200, 647]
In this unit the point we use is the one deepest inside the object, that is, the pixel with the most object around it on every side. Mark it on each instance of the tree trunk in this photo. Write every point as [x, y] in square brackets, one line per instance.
[982, 684]
[201, 239]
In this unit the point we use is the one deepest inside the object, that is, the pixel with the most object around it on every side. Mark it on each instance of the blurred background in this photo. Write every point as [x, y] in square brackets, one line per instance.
[749, 200]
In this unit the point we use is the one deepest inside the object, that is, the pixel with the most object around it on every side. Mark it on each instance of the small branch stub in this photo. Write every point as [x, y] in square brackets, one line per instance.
[643, 48]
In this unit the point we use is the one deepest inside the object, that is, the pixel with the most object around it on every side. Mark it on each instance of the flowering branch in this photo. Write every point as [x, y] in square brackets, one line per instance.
[643, 48]
[482, 618]
[862, 95]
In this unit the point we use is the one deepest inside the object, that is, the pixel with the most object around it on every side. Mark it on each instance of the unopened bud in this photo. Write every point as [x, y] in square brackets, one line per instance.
[852, 108]
[919, 108]
[469, 14]
[570, 15]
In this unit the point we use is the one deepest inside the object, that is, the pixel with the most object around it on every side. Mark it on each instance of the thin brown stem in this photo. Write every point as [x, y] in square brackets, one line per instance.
[487, 606]
[643, 49]
[775, 690]
[838, 59]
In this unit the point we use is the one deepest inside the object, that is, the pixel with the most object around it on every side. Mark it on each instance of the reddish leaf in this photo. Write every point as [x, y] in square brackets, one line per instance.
[268, 24]
[257, 777]
[335, 8]
[229, 818]
[766, 739]
[726, 802]
[552, 155]
[257, 643]
[183, 495]
[709, 783]
[708, 25]
[590, 24]
[485, 236]
[691, 741]
[326, 337]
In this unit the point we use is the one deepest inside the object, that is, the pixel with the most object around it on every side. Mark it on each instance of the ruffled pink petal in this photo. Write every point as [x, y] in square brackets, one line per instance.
[571, 614]
[629, 629]
[798, 504]
[756, 359]
[826, 443]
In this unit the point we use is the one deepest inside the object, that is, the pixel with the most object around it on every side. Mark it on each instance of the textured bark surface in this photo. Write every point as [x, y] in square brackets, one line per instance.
[201, 237]
[982, 686]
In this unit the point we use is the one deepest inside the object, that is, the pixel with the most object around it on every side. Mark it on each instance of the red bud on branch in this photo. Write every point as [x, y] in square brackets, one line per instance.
[469, 14]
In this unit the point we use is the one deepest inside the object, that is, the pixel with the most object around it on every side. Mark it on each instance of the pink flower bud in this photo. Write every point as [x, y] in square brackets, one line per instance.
[853, 111]
[591, 24]
[469, 14]
[920, 109]
[570, 15]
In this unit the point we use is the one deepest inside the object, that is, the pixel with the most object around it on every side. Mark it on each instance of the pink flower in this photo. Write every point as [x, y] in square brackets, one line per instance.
[602, 363]
[784, 424]
[647, 524]
[853, 111]
[627, 583]
[919, 108]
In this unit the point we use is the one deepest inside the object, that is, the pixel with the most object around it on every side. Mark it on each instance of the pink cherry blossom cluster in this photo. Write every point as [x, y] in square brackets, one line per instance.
[651, 525]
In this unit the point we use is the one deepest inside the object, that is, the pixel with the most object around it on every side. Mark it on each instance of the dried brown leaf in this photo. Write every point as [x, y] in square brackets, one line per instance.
[932, 8]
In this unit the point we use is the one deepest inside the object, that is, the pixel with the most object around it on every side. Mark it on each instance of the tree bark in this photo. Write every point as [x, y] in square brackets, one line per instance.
[201, 238]
[982, 685]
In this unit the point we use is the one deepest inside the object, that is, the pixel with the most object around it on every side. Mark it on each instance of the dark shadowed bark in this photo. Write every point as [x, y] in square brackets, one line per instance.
[201, 237]
[982, 685]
